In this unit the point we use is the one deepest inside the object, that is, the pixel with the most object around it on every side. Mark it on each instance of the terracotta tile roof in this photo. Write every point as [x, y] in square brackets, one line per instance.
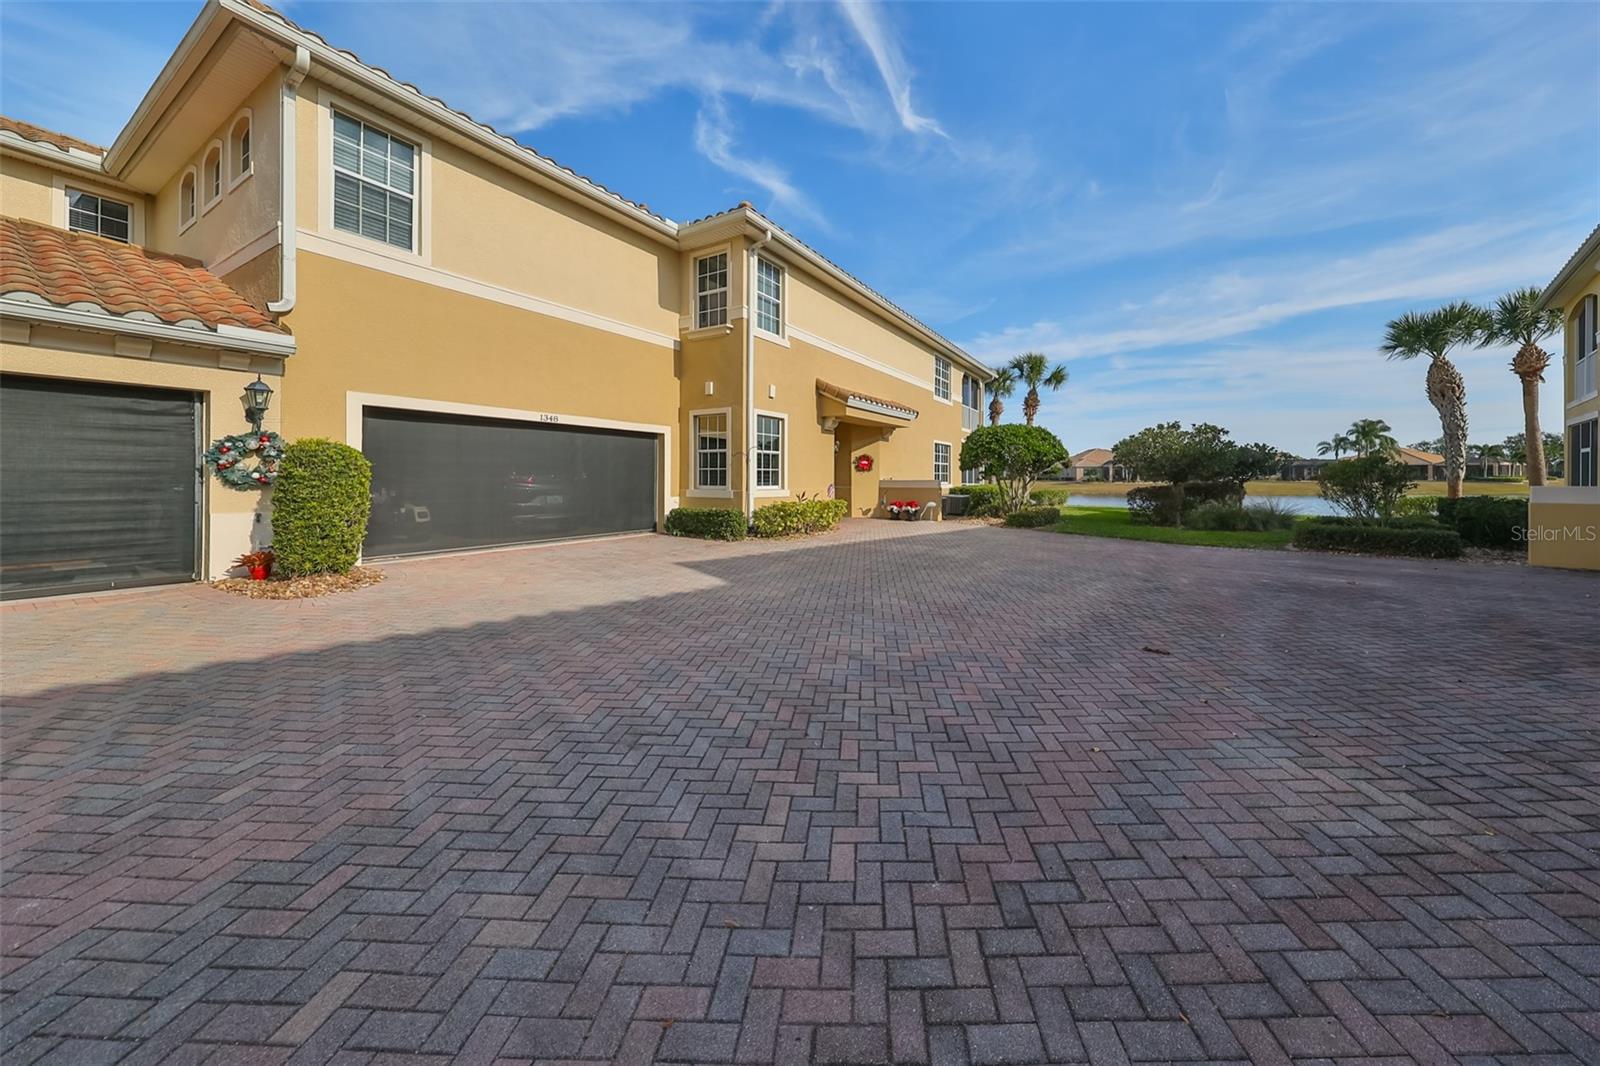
[846, 395]
[39, 135]
[1417, 455]
[80, 269]
[1092, 457]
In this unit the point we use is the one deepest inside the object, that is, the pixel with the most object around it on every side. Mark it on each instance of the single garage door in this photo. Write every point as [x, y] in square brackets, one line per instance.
[99, 486]
[442, 482]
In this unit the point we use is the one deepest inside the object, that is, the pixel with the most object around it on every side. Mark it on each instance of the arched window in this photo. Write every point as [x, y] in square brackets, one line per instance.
[186, 201]
[211, 175]
[239, 149]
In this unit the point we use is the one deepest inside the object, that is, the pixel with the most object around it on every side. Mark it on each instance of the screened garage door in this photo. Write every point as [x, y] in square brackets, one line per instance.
[99, 486]
[442, 482]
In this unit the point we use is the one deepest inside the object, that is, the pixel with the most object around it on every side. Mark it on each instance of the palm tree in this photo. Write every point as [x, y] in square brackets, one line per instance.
[1517, 319]
[1433, 334]
[1368, 435]
[1486, 454]
[1034, 369]
[1338, 445]
[1003, 384]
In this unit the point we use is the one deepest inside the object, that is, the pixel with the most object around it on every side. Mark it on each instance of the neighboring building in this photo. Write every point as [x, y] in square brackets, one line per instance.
[522, 353]
[1302, 469]
[1564, 520]
[1425, 466]
[1096, 464]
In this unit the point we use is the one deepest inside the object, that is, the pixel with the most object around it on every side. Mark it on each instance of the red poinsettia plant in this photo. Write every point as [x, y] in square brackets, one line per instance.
[904, 509]
[259, 563]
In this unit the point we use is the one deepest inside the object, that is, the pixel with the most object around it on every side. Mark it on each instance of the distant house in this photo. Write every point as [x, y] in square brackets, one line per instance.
[1427, 466]
[1096, 464]
[1302, 469]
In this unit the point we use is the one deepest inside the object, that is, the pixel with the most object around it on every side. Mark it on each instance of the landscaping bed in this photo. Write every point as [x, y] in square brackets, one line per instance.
[1119, 524]
[301, 588]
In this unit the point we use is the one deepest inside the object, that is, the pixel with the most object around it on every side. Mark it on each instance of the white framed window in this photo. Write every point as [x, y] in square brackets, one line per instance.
[240, 163]
[211, 176]
[973, 476]
[971, 401]
[711, 291]
[769, 297]
[710, 432]
[941, 462]
[1582, 448]
[187, 189]
[770, 433]
[941, 377]
[1585, 382]
[91, 213]
[374, 183]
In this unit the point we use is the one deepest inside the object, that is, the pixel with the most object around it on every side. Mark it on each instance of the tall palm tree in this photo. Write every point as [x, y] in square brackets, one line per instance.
[1368, 435]
[1003, 384]
[1433, 334]
[1338, 444]
[1035, 370]
[1516, 319]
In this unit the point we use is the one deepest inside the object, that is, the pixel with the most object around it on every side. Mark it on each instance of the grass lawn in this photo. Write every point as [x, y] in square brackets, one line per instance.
[1114, 522]
[1304, 488]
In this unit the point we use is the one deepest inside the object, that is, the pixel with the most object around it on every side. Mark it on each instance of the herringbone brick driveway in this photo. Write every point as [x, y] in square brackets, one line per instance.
[910, 794]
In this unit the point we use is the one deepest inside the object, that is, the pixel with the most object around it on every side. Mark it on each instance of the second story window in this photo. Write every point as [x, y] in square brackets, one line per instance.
[211, 173]
[711, 291]
[1587, 323]
[971, 398]
[186, 200]
[374, 182]
[239, 148]
[88, 213]
[941, 377]
[769, 297]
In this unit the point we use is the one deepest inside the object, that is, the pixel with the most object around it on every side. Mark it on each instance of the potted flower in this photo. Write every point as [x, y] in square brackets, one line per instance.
[259, 563]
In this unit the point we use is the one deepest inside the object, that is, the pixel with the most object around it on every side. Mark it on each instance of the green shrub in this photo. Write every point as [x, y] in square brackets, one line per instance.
[1159, 505]
[1248, 518]
[1428, 542]
[707, 523]
[1417, 507]
[788, 517]
[983, 501]
[1053, 497]
[1013, 457]
[1487, 521]
[320, 505]
[1033, 517]
[1390, 523]
[1368, 486]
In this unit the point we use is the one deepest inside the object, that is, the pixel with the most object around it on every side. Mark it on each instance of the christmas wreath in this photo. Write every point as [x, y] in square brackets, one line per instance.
[226, 459]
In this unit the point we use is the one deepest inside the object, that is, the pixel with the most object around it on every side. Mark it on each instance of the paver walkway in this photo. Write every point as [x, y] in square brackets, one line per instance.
[899, 794]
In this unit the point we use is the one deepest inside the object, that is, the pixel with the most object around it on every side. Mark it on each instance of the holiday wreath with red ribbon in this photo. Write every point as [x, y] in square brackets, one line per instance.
[227, 457]
[863, 463]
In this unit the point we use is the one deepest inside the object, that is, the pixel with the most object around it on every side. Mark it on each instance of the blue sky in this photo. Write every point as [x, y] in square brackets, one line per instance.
[1208, 211]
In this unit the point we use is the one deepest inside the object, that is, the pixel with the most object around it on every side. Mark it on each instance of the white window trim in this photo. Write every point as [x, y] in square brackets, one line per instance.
[222, 176]
[782, 488]
[60, 215]
[421, 220]
[695, 328]
[693, 487]
[782, 336]
[237, 179]
[950, 379]
[950, 467]
[183, 226]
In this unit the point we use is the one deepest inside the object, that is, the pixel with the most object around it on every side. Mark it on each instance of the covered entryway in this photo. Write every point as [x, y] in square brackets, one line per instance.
[99, 486]
[444, 482]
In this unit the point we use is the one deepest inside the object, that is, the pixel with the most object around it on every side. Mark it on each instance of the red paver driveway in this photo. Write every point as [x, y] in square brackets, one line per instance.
[900, 794]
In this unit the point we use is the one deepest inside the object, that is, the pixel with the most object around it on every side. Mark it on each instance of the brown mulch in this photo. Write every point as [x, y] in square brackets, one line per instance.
[300, 588]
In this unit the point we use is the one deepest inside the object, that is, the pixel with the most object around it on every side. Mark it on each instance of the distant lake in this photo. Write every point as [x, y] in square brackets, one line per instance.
[1299, 504]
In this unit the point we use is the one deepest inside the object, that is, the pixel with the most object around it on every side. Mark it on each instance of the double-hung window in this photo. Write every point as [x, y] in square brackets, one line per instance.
[1586, 353]
[1583, 467]
[769, 297]
[941, 463]
[88, 213]
[711, 291]
[941, 377]
[374, 182]
[971, 397]
[769, 452]
[711, 450]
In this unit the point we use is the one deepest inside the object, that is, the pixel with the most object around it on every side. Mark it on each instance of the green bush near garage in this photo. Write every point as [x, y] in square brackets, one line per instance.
[320, 504]
[1401, 537]
[1033, 517]
[788, 518]
[1487, 521]
[707, 523]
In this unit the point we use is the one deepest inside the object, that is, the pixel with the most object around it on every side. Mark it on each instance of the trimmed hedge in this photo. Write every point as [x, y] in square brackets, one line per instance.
[1157, 504]
[1428, 542]
[1417, 507]
[707, 523]
[983, 501]
[1033, 517]
[1051, 497]
[320, 505]
[788, 517]
[1486, 521]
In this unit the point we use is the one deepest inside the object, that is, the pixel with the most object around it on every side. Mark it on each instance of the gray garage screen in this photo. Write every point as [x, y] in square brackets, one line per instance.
[442, 482]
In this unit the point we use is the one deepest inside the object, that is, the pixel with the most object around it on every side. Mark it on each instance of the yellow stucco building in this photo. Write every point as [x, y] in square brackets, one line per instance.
[1564, 520]
[522, 353]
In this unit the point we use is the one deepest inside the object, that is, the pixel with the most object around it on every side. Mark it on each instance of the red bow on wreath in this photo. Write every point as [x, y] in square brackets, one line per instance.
[863, 463]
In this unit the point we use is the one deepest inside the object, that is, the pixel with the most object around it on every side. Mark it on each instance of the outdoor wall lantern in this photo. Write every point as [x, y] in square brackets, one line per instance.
[257, 398]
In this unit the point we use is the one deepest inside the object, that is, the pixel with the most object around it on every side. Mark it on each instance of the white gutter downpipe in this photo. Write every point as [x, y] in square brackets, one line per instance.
[750, 374]
[288, 178]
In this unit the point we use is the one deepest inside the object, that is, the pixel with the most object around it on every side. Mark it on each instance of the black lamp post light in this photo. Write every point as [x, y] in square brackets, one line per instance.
[257, 398]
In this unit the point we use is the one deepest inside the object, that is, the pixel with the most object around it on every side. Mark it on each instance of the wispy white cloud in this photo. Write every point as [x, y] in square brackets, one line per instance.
[867, 19]
[714, 138]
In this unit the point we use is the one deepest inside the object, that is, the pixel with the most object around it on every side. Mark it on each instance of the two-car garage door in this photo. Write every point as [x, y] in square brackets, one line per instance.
[447, 482]
[98, 486]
